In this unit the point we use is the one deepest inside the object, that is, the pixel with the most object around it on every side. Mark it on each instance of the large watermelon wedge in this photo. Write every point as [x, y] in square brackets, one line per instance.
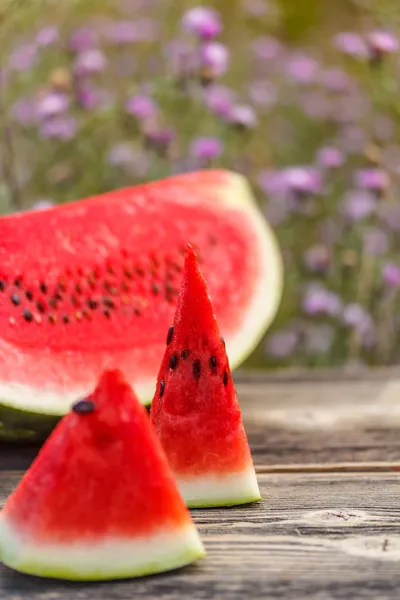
[99, 501]
[93, 284]
[195, 410]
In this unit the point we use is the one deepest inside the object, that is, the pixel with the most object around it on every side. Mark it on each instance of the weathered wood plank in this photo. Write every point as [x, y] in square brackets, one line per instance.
[316, 537]
[306, 422]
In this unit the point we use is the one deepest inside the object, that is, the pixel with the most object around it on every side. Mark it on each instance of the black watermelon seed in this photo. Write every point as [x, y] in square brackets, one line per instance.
[213, 362]
[137, 312]
[225, 378]
[27, 315]
[108, 302]
[65, 319]
[162, 388]
[128, 273]
[196, 369]
[53, 302]
[2, 286]
[223, 341]
[15, 299]
[185, 354]
[78, 288]
[107, 313]
[170, 334]
[52, 318]
[43, 287]
[84, 407]
[29, 295]
[40, 307]
[155, 289]
[93, 304]
[17, 282]
[173, 361]
[58, 296]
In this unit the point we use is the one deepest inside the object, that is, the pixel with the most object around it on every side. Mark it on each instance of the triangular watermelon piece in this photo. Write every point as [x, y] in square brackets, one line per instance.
[195, 409]
[99, 501]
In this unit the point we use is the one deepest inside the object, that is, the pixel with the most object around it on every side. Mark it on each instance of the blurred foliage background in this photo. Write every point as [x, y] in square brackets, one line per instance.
[301, 97]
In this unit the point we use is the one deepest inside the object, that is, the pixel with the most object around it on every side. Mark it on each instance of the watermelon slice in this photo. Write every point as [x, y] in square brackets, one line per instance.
[99, 502]
[195, 409]
[93, 284]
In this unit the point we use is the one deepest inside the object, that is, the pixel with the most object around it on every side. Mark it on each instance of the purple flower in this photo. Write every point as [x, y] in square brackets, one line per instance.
[376, 242]
[24, 111]
[215, 58]
[142, 107]
[358, 205]
[206, 148]
[128, 32]
[182, 58]
[376, 180]
[23, 57]
[263, 93]
[282, 344]
[90, 97]
[43, 204]
[47, 36]
[318, 339]
[266, 48]
[90, 62]
[352, 44]
[355, 316]
[272, 183]
[382, 42]
[303, 180]
[160, 138]
[318, 258]
[219, 100]
[335, 79]
[121, 32]
[302, 68]
[82, 39]
[256, 8]
[391, 275]
[203, 22]
[319, 301]
[61, 127]
[330, 157]
[52, 104]
[244, 116]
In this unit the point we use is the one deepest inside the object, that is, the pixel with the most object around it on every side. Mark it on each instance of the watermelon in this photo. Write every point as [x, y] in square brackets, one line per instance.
[92, 285]
[195, 410]
[99, 502]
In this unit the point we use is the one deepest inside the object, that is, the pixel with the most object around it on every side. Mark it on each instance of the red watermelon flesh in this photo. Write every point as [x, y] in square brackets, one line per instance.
[99, 501]
[93, 284]
[195, 410]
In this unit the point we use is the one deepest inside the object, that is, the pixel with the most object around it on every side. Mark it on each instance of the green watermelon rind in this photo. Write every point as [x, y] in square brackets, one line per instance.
[192, 549]
[18, 425]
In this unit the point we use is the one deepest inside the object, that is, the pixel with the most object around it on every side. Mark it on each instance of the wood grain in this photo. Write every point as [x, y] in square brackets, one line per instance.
[318, 537]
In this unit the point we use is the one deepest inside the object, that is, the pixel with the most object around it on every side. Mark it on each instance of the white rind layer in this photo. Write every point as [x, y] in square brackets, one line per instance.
[219, 490]
[258, 315]
[110, 558]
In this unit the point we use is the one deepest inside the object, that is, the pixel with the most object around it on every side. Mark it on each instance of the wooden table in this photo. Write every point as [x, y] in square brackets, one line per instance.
[327, 453]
